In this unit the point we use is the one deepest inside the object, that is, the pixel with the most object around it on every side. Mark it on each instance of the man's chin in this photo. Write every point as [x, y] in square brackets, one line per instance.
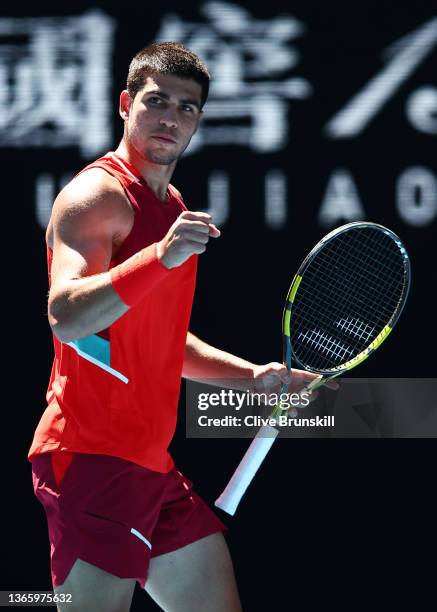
[161, 160]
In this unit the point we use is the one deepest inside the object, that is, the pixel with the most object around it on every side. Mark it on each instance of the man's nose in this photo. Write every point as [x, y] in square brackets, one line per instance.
[169, 118]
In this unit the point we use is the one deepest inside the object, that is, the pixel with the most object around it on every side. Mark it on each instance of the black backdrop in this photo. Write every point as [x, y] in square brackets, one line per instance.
[345, 524]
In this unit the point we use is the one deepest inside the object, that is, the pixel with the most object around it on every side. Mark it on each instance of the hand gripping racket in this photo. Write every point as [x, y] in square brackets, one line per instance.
[342, 304]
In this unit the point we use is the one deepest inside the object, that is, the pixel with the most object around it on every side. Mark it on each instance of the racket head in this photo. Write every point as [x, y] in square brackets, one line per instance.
[345, 299]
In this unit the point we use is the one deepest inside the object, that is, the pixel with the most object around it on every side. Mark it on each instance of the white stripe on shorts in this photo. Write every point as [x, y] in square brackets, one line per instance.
[143, 538]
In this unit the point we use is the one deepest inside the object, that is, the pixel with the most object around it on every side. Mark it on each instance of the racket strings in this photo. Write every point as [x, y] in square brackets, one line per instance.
[314, 304]
[386, 291]
[355, 278]
[330, 345]
[351, 284]
[359, 276]
[354, 298]
[350, 290]
[353, 294]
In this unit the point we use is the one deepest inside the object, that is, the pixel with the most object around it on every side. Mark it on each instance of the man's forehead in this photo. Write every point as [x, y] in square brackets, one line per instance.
[172, 85]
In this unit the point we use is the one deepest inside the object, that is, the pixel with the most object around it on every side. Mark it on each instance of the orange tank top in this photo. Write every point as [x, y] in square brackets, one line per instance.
[116, 392]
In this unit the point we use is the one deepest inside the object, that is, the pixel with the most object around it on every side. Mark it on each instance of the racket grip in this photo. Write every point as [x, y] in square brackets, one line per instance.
[248, 467]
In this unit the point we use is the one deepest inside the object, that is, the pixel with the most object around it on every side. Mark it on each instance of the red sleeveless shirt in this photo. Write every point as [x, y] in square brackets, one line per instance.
[116, 392]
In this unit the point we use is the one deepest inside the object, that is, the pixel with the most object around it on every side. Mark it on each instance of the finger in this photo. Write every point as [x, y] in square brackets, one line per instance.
[310, 376]
[198, 226]
[214, 231]
[195, 236]
[196, 216]
[279, 369]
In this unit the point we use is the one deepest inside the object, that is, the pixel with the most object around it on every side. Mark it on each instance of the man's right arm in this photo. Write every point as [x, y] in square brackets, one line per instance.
[88, 217]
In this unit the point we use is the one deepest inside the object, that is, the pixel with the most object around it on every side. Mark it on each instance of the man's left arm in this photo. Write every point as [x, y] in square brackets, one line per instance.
[203, 362]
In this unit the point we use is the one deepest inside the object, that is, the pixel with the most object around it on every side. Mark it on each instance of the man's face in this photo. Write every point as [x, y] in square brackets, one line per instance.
[163, 117]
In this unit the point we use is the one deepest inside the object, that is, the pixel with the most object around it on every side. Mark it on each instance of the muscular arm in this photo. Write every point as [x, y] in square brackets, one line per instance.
[88, 216]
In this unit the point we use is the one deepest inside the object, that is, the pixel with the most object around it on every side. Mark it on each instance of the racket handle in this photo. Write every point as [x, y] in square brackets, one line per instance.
[243, 475]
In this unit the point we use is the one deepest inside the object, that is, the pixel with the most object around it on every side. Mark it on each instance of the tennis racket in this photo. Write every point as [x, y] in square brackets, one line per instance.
[342, 304]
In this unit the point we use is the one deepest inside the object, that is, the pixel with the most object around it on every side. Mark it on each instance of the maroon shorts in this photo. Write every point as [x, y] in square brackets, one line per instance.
[116, 515]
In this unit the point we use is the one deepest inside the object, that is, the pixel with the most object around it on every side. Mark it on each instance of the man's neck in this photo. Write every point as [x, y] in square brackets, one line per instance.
[157, 176]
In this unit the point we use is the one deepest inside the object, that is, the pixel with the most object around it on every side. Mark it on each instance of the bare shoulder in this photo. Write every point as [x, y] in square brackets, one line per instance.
[91, 202]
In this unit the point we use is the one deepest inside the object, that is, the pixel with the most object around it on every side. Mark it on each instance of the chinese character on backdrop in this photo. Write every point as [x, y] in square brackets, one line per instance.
[55, 82]
[249, 60]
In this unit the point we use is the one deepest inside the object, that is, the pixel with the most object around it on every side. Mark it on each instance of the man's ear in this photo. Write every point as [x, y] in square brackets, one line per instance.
[125, 104]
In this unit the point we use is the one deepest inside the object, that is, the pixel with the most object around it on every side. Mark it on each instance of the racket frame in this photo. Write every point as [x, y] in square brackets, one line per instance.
[257, 451]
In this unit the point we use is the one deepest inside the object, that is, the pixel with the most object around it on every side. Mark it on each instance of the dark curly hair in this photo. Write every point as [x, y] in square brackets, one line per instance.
[167, 58]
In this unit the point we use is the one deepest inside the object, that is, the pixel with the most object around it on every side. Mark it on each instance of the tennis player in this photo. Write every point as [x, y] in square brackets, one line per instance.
[122, 251]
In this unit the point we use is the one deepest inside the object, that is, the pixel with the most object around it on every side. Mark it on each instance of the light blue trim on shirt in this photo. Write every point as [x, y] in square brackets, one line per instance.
[97, 350]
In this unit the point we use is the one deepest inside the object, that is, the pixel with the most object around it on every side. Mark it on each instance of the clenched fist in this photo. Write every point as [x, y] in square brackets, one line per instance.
[187, 236]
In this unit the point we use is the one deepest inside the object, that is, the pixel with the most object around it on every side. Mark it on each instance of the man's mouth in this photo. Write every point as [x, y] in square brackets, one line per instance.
[163, 138]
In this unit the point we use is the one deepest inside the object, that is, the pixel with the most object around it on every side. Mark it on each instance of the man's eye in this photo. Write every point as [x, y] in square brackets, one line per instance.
[187, 108]
[155, 100]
